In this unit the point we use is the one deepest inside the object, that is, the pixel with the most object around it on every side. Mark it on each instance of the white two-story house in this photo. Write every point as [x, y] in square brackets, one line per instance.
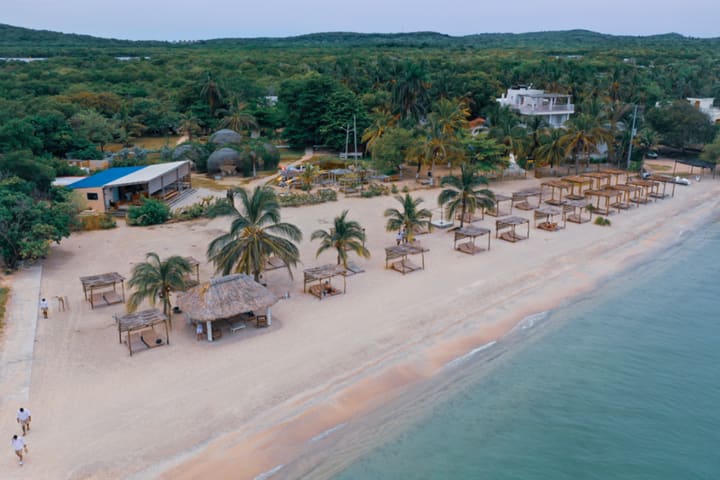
[555, 108]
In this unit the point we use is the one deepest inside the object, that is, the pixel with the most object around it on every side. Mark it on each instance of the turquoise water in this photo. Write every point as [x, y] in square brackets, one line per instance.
[623, 384]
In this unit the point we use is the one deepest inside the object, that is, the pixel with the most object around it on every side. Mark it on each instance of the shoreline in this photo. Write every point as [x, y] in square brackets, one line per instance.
[272, 453]
[260, 398]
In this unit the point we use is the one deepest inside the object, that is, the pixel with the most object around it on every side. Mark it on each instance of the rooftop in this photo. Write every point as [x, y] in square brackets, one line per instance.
[103, 178]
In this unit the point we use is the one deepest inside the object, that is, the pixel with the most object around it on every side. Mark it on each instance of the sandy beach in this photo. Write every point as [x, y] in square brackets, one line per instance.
[252, 401]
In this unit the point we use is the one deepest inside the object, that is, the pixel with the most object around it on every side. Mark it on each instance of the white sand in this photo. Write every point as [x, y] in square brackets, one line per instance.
[240, 406]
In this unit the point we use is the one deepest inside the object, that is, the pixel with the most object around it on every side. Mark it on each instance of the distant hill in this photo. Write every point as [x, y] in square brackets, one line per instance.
[25, 41]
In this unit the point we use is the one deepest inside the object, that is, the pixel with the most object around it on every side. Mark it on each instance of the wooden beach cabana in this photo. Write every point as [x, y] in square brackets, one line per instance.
[558, 186]
[578, 207]
[629, 193]
[143, 324]
[609, 197]
[498, 210]
[615, 175]
[510, 224]
[664, 179]
[467, 235]
[323, 275]
[577, 182]
[645, 188]
[547, 213]
[229, 298]
[521, 199]
[97, 289]
[599, 179]
[403, 251]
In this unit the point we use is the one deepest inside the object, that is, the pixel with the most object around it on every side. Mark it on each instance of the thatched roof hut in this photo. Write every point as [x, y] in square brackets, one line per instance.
[225, 297]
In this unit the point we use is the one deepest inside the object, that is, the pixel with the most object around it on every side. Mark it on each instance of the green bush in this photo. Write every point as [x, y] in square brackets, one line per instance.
[405, 189]
[297, 199]
[209, 207]
[374, 190]
[149, 212]
[605, 222]
[394, 189]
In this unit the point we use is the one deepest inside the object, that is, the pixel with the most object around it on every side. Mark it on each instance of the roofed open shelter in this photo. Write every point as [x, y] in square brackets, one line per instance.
[143, 324]
[402, 251]
[323, 276]
[97, 289]
[510, 224]
[467, 235]
[227, 298]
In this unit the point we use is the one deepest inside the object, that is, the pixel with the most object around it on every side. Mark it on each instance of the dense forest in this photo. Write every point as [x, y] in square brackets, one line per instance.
[410, 95]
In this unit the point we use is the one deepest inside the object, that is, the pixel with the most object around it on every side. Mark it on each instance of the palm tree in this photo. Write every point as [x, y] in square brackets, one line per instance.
[155, 279]
[382, 119]
[308, 176]
[212, 93]
[462, 193]
[410, 218]
[239, 118]
[583, 138]
[345, 235]
[189, 125]
[410, 92]
[551, 150]
[255, 235]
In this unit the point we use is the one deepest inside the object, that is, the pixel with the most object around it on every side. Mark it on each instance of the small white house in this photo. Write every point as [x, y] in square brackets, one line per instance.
[555, 108]
[705, 105]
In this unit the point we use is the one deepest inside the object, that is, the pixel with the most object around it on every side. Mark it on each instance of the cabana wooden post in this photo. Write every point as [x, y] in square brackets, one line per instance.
[520, 199]
[497, 210]
[323, 274]
[511, 223]
[546, 213]
[104, 280]
[554, 185]
[139, 322]
[579, 182]
[402, 251]
[470, 232]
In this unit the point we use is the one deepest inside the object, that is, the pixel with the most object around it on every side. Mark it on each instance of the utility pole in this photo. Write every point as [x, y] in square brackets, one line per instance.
[355, 137]
[347, 140]
[632, 135]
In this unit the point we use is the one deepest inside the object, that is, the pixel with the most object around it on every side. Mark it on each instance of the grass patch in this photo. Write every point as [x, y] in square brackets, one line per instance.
[4, 292]
[289, 156]
[148, 143]
[201, 181]
[658, 167]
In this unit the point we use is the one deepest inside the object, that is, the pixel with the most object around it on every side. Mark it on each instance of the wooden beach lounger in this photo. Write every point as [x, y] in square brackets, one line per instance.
[405, 266]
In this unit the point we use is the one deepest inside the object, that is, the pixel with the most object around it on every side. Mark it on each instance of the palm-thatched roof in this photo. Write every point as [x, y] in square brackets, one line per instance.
[225, 297]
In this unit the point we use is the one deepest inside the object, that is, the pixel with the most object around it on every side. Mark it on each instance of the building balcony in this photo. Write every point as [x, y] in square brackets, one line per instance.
[545, 109]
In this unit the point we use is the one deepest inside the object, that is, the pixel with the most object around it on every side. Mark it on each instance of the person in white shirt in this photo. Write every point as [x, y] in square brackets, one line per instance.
[44, 307]
[24, 418]
[18, 444]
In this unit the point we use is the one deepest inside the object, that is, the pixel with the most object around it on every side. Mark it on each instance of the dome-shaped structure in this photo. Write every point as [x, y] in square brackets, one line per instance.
[223, 156]
[226, 137]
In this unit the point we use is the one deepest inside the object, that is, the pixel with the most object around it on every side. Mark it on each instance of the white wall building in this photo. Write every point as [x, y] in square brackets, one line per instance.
[705, 105]
[555, 108]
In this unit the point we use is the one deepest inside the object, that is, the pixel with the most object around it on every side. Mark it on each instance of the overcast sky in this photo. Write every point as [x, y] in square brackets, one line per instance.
[193, 20]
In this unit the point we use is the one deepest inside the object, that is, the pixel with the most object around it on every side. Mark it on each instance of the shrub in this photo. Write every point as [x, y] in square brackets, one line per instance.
[605, 222]
[297, 199]
[374, 190]
[394, 189]
[149, 212]
[405, 189]
[209, 207]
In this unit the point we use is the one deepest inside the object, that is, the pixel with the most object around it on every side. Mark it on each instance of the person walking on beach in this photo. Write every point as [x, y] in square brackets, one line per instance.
[44, 307]
[18, 444]
[398, 237]
[24, 418]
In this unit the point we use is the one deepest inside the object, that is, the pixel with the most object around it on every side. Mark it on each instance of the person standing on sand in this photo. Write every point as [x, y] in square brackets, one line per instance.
[24, 418]
[18, 444]
[44, 307]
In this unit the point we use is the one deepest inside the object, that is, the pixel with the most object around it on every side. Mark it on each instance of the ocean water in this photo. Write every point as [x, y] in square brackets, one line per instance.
[623, 383]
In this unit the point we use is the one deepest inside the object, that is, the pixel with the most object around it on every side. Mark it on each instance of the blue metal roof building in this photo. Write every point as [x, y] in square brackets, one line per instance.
[103, 178]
